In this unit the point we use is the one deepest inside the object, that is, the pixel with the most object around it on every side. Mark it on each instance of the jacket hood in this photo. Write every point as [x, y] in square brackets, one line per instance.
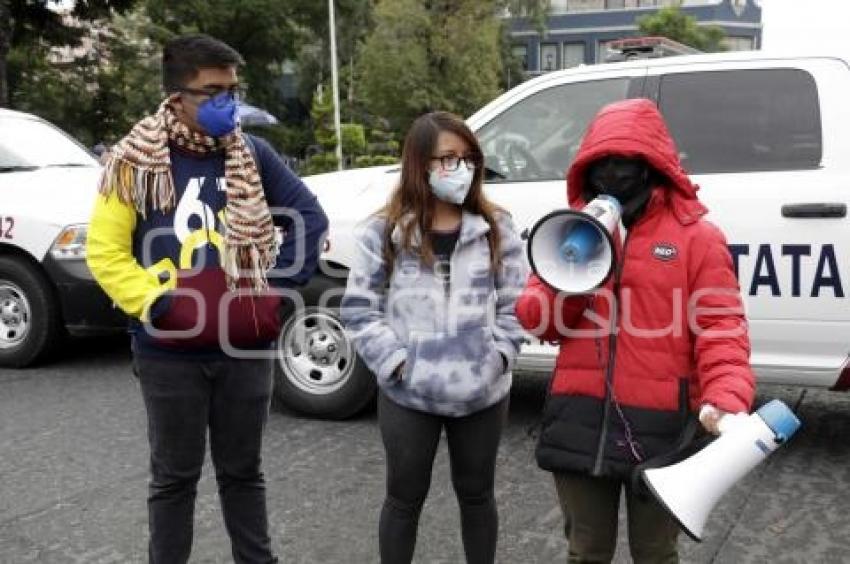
[635, 128]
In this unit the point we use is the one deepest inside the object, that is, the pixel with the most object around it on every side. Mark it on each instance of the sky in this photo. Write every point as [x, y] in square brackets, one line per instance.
[806, 25]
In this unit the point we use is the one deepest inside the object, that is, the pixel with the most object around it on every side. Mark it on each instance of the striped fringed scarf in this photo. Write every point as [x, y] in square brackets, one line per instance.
[139, 172]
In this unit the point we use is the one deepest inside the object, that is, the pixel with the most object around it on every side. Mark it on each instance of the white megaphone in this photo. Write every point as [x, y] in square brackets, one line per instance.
[573, 251]
[689, 489]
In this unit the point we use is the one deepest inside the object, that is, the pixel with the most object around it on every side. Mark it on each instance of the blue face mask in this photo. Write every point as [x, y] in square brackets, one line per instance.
[218, 115]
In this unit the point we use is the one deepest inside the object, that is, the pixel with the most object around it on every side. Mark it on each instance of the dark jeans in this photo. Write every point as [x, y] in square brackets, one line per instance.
[183, 399]
[410, 439]
[591, 506]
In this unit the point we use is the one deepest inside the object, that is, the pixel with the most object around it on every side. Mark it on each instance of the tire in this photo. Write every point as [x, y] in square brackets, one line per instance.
[317, 370]
[30, 317]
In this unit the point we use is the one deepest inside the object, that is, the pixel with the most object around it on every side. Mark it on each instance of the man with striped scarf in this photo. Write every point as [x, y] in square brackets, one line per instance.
[186, 238]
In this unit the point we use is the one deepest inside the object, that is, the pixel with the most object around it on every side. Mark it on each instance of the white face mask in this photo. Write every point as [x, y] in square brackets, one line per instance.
[451, 186]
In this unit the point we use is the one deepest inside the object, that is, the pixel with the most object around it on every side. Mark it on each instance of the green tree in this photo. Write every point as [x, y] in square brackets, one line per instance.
[115, 80]
[268, 33]
[127, 81]
[263, 31]
[353, 23]
[5, 43]
[674, 24]
[359, 146]
[32, 25]
[321, 114]
[56, 92]
[422, 55]
[353, 139]
[535, 11]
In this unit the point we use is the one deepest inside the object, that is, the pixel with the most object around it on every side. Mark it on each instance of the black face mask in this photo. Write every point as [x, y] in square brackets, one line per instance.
[623, 178]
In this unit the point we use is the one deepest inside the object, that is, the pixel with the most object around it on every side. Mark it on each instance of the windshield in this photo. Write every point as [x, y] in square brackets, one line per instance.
[27, 143]
[538, 137]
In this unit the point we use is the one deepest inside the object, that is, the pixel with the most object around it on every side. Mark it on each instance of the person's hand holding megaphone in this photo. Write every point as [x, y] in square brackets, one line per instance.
[717, 421]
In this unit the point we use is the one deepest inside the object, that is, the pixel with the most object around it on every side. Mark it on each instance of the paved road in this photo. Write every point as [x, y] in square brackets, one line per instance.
[73, 471]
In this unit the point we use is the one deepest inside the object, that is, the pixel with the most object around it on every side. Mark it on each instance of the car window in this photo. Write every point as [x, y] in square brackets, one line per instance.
[538, 137]
[738, 121]
[28, 142]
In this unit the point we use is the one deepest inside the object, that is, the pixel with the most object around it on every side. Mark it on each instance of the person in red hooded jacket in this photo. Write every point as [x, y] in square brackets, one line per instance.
[663, 339]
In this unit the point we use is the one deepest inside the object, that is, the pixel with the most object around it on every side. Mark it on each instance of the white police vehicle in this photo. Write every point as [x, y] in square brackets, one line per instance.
[48, 183]
[766, 137]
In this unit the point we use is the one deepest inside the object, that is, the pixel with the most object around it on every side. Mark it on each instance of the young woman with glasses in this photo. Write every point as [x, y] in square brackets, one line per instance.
[430, 307]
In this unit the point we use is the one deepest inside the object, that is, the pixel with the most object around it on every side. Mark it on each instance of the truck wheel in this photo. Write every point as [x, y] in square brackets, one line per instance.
[30, 318]
[318, 371]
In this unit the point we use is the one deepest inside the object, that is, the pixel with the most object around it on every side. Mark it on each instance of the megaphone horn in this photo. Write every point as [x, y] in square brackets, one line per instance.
[689, 489]
[573, 251]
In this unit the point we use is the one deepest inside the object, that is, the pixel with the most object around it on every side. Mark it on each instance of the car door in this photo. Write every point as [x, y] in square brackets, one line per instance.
[767, 142]
[529, 138]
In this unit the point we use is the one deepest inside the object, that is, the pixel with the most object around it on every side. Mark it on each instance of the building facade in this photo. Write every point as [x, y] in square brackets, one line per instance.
[579, 31]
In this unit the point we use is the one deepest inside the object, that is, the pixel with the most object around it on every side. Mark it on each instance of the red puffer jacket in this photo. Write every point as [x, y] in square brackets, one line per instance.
[620, 397]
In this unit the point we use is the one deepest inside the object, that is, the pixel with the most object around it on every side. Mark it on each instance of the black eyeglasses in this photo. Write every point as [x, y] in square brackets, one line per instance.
[451, 163]
[220, 97]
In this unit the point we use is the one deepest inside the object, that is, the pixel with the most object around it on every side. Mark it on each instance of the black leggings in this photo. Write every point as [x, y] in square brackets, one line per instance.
[410, 439]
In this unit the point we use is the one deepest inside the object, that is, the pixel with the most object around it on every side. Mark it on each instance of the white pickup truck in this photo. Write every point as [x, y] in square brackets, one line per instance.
[767, 138]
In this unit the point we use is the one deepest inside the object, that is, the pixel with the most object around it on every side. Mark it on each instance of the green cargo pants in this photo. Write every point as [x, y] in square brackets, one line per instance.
[591, 506]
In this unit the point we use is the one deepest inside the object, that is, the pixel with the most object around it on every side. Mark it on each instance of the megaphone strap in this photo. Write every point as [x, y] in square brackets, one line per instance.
[687, 443]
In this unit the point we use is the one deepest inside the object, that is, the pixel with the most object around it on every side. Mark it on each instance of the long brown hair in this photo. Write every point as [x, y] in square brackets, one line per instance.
[413, 194]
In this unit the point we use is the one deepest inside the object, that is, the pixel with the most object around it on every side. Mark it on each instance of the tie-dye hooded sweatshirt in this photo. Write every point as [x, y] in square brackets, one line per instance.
[458, 339]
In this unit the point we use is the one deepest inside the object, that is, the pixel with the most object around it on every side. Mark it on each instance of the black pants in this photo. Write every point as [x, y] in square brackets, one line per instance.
[410, 439]
[183, 399]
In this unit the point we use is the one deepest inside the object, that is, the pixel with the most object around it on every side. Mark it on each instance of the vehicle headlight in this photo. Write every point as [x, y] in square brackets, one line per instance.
[71, 243]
